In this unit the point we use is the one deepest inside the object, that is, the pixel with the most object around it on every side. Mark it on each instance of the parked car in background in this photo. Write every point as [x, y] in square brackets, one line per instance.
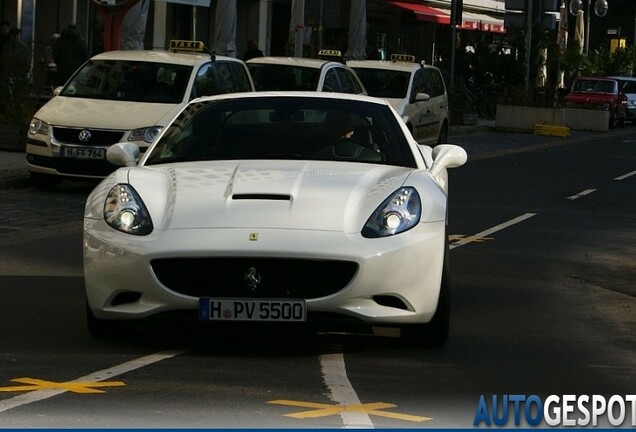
[599, 94]
[121, 96]
[417, 91]
[305, 74]
[295, 208]
[628, 87]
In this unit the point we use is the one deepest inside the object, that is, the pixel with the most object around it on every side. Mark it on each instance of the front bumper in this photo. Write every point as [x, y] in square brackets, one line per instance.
[406, 269]
[44, 153]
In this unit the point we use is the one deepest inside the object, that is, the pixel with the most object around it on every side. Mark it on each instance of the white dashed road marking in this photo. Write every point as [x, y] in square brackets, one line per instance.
[489, 231]
[581, 194]
[623, 177]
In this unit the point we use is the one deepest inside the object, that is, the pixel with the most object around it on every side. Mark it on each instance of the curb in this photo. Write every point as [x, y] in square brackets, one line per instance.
[455, 130]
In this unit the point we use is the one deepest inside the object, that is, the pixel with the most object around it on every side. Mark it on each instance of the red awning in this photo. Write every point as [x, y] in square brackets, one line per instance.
[470, 21]
[425, 13]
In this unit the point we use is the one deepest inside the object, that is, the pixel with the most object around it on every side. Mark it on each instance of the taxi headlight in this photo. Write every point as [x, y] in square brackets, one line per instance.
[38, 127]
[147, 134]
[398, 213]
[125, 211]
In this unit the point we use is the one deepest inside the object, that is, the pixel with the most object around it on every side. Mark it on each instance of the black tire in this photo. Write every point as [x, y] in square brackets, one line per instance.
[106, 329]
[433, 334]
[612, 121]
[443, 134]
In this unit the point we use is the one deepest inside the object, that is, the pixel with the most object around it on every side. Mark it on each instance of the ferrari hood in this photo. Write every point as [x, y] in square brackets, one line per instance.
[265, 194]
[105, 114]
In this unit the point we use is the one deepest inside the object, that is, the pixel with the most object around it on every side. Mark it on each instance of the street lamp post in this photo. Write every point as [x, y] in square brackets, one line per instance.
[600, 9]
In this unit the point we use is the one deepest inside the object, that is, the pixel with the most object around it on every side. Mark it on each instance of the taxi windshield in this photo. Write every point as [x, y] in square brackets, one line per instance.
[384, 83]
[132, 81]
[284, 77]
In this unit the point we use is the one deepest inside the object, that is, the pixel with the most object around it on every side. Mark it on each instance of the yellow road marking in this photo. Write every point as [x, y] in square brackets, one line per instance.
[72, 386]
[323, 410]
[470, 239]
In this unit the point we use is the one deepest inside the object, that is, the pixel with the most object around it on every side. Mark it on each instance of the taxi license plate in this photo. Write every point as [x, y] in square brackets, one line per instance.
[247, 309]
[83, 153]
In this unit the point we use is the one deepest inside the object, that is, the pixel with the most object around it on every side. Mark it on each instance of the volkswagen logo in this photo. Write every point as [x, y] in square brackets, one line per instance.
[253, 278]
[85, 136]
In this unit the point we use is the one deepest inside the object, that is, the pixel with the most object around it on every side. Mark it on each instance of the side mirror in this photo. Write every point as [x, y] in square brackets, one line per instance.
[123, 154]
[447, 156]
[422, 97]
[58, 90]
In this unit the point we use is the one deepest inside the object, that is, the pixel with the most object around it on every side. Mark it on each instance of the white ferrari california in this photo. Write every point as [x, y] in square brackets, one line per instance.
[275, 207]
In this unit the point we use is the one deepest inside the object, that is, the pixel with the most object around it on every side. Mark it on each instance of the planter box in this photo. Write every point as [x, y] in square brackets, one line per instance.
[517, 117]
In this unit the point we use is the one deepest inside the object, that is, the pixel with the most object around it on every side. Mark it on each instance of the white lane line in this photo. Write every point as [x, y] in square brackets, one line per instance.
[102, 375]
[341, 391]
[623, 177]
[489, 231]
[581, 194]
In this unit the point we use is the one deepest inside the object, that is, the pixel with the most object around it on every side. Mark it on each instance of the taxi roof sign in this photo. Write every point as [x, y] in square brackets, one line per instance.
[330, 53]
[186, 46]
[402, 58]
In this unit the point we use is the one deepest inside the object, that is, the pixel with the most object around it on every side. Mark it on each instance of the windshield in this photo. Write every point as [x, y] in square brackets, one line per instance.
[384, 83]
[284, 77]
[292, 128]
[630, 87]
[131, 81]
[595, 86]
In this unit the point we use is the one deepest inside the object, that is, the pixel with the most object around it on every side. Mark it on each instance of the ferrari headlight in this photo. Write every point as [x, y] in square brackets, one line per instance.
[398, 213]
[147, 134]
[125, 211]
[38, 127]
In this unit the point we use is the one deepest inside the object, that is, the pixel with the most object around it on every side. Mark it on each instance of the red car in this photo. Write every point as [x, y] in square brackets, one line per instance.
[600, 94]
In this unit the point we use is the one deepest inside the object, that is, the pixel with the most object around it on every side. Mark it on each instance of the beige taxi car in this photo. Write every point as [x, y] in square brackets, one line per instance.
[326, 74]
[416, 90]
[122, 96]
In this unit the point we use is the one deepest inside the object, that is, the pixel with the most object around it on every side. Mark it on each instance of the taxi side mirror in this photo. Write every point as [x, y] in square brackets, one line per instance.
[422, 97]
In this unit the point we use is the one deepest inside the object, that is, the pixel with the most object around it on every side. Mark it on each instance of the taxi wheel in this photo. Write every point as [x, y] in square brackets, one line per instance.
[443, 134]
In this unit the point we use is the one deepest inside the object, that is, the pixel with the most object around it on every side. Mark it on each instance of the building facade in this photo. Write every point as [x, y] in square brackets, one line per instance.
[418, 27]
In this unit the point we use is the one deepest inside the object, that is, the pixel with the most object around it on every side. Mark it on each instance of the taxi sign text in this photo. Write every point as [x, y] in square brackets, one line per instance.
[187, 45]
[403, 58]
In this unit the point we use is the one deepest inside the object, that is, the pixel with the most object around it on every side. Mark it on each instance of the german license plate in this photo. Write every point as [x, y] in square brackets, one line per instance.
[246, 309]
[84, 153]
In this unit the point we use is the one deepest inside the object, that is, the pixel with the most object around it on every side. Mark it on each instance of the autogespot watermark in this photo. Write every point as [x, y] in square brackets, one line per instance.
[554, 410]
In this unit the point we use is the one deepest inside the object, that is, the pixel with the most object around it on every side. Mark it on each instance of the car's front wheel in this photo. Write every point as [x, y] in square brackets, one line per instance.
[433, 334]
[442, 138]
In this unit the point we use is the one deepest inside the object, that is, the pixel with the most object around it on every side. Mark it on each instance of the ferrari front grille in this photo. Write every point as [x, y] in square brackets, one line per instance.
[254, 277]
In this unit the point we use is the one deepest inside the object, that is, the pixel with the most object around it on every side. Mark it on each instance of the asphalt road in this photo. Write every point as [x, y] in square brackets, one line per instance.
[542, 234]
